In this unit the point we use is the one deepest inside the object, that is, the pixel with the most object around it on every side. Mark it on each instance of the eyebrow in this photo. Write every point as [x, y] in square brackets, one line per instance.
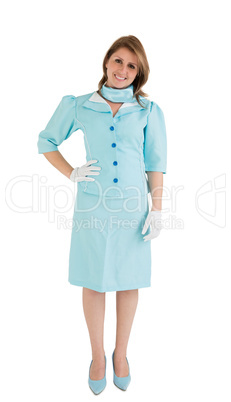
[129, 61]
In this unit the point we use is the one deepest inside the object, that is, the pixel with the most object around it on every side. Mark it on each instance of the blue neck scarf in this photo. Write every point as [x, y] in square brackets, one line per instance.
[118, 95]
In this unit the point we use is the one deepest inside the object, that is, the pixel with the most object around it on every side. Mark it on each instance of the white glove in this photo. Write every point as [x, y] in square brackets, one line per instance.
[153, 219]
[81, 173]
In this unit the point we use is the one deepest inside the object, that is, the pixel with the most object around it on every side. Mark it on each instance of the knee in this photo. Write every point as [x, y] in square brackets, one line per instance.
[127, 292]
[92, 292]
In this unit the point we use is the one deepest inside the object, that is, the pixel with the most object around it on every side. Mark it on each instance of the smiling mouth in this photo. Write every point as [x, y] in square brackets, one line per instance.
[119, 78]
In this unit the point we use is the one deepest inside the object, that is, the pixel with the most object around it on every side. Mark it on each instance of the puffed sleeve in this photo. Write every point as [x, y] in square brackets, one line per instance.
[155, 141]
[61, 125]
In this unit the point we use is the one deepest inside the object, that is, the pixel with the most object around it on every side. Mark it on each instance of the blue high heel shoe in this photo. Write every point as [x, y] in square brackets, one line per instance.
[97, 386]
[121, 382]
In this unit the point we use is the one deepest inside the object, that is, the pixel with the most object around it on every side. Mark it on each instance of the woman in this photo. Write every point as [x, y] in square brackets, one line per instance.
[124, 136]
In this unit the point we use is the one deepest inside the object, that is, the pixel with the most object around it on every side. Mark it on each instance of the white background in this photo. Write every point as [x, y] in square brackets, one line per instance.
[179, 347]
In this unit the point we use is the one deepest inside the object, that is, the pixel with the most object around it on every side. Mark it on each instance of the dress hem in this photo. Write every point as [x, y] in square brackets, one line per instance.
[109, 289]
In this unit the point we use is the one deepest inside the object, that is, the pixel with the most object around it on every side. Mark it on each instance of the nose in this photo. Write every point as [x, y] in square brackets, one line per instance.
[123, 70]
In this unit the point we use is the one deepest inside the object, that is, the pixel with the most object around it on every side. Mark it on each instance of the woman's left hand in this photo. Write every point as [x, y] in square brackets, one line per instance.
[153, 219]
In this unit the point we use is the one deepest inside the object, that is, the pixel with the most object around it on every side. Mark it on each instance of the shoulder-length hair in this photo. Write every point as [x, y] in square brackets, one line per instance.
[134, 45]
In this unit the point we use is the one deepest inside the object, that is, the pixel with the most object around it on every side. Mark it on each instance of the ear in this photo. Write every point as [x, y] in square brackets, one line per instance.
[106, 64]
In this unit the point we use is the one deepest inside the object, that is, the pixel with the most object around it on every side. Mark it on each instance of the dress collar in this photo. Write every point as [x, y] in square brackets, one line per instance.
[97, 103]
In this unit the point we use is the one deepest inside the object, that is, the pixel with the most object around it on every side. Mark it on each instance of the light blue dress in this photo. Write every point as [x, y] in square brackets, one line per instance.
[107, 251]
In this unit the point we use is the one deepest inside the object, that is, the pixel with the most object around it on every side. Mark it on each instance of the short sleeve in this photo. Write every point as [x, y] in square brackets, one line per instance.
[155, 141]
[60, 126]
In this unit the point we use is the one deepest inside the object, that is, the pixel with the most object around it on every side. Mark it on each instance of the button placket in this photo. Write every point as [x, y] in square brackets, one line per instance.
[115, 163]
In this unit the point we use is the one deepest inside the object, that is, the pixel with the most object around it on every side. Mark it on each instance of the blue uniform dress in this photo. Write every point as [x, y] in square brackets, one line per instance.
[107, 251]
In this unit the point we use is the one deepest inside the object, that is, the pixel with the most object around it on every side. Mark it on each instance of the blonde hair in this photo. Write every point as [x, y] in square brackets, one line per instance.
[134, 45]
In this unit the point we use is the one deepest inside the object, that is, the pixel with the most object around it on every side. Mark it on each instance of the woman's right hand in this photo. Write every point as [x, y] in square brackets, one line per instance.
[81, 173]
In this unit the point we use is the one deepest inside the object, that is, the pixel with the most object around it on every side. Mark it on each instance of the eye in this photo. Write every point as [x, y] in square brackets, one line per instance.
[118, 60]
[131, 65]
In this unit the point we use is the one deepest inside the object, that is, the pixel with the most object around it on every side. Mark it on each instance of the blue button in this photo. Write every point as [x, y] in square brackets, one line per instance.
[115, 180]
[113, 144]
[112, 128]
[115, 163]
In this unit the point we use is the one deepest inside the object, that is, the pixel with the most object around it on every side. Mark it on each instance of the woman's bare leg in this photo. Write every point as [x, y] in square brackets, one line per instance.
[94, 311]
[126, 303]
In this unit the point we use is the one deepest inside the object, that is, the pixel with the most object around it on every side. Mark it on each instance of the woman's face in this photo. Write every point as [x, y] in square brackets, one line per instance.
[122, 68]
